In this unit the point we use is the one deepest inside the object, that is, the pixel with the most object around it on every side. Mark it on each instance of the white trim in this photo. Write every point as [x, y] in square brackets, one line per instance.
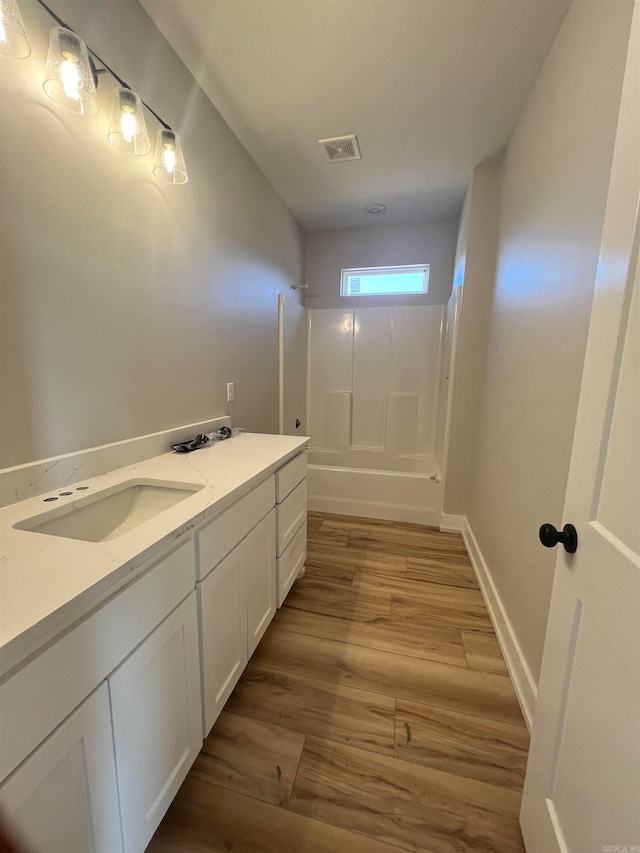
[281, 363]
[372, 509]
[523, 682]
[451, 523]
[382, 472]
[457, 297]
[307, 402]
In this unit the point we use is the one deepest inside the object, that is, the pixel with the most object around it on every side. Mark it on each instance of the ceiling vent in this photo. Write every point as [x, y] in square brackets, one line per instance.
[341, 148]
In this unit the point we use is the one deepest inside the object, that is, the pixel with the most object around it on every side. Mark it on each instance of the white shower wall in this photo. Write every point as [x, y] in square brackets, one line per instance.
[374, 384]
[373, 392]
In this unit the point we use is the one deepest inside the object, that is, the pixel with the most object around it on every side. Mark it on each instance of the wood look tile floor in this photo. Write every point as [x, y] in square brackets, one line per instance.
[376, 714]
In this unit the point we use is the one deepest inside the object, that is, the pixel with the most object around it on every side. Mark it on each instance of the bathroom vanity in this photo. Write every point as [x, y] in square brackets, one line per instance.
[119, 653]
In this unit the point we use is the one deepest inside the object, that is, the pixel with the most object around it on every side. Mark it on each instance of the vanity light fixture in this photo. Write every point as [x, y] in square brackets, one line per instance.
[127, 128]
[14, 43]
[71, 79]
[169, 165]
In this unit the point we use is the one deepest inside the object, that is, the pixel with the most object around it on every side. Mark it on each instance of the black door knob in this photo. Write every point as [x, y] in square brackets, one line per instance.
[298, 422]
[568, 536]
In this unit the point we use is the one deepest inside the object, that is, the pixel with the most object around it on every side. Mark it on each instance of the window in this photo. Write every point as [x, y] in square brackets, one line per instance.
[385, 281]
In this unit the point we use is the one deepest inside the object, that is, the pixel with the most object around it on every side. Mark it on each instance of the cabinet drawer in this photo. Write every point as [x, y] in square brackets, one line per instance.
[291, 513]
[288, 477]
[224, 532]
[70, 669]
[290, 563]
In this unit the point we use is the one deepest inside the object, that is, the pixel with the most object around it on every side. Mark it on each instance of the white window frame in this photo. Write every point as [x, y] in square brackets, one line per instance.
[369, 271]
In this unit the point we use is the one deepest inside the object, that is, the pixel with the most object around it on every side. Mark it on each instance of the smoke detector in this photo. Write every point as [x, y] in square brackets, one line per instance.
[375, 209]
[341, 148]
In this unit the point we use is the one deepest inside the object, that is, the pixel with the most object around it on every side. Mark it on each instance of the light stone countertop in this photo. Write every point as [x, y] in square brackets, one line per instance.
[48, 582]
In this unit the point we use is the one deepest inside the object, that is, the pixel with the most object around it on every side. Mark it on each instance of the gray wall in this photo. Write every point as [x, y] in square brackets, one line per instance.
[329, 252]
[127, 304]
[556, 172]
[475, 271]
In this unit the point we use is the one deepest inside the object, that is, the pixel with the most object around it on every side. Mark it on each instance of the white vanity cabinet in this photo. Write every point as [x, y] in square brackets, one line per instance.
[100, 726]
[64, 797]
[157, 724]
[292, 513]
[237, 597]
[223, 620]
[291, 562]
[291, 510]
[259, 570]
[57, 745]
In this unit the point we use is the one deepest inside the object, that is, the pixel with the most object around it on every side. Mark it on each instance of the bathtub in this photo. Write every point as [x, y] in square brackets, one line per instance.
[376, 492]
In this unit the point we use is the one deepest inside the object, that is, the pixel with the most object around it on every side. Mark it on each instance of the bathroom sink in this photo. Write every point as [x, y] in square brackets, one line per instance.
[111, 512]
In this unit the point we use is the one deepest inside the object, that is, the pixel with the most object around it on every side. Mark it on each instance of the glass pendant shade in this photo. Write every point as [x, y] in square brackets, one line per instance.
[127, 130]
[68, 77]
[14, 43]
[169, 161]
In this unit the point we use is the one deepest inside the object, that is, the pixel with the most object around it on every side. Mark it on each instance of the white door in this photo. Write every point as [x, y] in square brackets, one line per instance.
[582, 789]
[223, 620]
[157, 722]
[259, 576]
[64, 797]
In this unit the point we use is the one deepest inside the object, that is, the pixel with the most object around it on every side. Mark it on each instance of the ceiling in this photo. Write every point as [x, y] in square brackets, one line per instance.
[430, 87]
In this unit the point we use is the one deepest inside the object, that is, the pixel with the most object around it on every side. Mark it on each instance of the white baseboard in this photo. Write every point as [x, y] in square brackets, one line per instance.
[451, 523]
[521, 677]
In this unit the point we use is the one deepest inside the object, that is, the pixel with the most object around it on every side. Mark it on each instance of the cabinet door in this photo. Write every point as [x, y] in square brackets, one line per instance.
[157, 722]
[223, 621]
[64, 797]
[259, 574]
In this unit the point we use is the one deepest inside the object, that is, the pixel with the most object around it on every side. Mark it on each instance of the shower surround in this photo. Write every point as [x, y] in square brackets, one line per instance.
[373, 390]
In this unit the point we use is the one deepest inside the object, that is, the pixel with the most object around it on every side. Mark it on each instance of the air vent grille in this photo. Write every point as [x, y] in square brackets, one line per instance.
[341, 148]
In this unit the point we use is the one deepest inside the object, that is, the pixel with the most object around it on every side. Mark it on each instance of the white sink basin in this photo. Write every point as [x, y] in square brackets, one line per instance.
[111, 512]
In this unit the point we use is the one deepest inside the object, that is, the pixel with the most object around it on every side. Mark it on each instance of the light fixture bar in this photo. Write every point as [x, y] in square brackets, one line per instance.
[108, 68]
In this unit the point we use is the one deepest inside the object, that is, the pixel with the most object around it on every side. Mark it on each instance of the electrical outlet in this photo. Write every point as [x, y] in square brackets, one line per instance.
[231, 394]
